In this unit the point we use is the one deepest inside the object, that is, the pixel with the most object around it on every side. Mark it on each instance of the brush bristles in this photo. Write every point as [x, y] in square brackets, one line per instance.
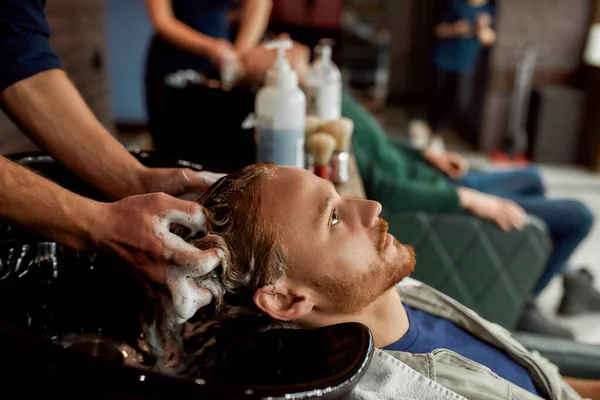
[321, 145]
[312, 124]
[341, 129]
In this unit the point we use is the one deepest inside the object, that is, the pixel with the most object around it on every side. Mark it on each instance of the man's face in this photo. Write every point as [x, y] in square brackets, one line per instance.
[337, 247]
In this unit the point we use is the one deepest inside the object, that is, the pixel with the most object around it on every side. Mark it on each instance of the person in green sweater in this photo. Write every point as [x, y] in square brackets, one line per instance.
[404, 178]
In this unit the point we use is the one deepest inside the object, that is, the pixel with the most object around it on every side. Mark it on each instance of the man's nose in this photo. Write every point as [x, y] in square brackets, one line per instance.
[370, 211]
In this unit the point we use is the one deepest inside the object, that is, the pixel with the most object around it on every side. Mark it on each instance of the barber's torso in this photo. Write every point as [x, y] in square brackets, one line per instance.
[468, 378]
[205, 16]
[460, 55]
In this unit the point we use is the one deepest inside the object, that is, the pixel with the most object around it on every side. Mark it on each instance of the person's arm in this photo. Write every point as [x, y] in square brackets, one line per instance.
[52, 112]
[182, 35]
[452, 26]
[132, 229]
[589, 389]
[255, 18]
[43, 206]
[460, 28]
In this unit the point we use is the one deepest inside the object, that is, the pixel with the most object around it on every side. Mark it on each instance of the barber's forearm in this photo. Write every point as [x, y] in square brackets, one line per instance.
[176, 32]
[255, 18]
[43, 206]
[53, 113]
[589, 389]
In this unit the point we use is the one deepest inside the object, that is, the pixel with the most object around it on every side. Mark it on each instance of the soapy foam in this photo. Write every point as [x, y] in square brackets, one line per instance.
[210, 177]
[187, 296]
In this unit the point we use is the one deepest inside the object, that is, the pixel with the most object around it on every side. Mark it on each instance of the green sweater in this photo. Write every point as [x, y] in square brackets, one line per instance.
[395, 173]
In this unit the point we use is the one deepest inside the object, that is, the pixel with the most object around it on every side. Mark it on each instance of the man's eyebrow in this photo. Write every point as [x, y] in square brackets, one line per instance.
[323, 215]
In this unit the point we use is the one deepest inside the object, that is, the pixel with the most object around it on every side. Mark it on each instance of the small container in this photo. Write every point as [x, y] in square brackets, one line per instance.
[340, 167]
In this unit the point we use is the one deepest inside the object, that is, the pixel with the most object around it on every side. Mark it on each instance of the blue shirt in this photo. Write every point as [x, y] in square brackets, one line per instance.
[428, 333]
[206, 16]
[24, 47]
[460, 54]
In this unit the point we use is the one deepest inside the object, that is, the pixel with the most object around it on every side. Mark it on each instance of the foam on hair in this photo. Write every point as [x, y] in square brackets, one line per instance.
[252, 257]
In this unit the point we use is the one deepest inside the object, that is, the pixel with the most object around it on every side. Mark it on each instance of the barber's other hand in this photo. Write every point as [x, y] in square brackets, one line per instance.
[177, 181]
[507, 214]
[135, 230]
[463, 28]
[452, 164]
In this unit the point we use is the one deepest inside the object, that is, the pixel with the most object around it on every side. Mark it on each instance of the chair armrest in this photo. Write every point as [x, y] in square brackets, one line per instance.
[574, 359]
[474, 261]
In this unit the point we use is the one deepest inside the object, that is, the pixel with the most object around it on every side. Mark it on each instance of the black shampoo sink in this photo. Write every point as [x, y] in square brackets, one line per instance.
[70, 326]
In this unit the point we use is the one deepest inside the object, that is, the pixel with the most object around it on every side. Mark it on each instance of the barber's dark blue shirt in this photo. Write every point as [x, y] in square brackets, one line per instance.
[460, 54]
[24, 47]
[208, 17]
[428, 333]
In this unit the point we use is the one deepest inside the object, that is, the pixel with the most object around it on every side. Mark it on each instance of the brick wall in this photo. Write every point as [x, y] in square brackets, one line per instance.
[79, 38]
[558, 30]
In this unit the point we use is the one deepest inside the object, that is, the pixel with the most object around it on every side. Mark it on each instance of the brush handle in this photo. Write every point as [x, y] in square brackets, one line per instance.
[323, 171]
[340, 165]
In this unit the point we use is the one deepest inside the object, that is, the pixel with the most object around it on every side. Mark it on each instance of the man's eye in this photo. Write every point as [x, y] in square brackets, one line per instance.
[334, 219]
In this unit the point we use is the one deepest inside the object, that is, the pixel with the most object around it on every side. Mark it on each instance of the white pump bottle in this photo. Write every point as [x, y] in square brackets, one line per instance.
[324, 85]
[281, 111]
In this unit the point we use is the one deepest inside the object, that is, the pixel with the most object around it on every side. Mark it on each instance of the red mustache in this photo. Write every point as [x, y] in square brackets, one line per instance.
[383, 230]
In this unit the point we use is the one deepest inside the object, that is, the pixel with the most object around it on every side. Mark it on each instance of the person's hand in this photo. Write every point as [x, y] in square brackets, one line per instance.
[487, 36]
[137, 230]
[452, 164]
[177, 181]
[463, 28]
[259, 60]
[507, 214]
[484, 20]
[226, 58]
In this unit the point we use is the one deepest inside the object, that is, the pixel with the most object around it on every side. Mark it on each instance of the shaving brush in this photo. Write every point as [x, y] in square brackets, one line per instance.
[312, 123]
[341, 129]
[321, 146]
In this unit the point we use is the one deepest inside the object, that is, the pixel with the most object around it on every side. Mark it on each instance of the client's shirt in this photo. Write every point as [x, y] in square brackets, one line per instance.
[428, 333]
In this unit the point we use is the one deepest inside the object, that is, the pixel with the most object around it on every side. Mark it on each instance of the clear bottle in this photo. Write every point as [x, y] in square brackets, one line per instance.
[324, 84]
[281, 111]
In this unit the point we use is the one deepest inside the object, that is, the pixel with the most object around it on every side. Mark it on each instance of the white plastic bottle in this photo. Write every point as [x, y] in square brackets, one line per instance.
[280, 112]
[324, 85]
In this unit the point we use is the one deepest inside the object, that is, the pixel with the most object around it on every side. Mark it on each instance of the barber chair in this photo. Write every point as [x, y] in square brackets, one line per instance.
[70, 323]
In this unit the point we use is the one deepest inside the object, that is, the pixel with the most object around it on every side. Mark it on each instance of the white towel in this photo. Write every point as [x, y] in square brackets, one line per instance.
[389, 378]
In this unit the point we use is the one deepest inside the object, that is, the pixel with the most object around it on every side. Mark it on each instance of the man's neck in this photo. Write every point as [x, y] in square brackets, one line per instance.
[385, 317]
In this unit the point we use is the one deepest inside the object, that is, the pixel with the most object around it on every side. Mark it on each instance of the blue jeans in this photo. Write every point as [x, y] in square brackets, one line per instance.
[569, 221]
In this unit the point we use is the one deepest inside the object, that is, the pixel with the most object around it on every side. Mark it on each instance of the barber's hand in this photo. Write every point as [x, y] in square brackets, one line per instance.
[463, 28]
[507, 214]
[136, 230]
[452, 164]
[177, 181]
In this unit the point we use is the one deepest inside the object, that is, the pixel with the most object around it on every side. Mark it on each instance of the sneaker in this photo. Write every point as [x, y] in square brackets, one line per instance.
[533, 321]
[580, 295]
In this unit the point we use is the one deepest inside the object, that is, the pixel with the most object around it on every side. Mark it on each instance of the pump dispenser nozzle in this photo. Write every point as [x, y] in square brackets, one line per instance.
[282, 72]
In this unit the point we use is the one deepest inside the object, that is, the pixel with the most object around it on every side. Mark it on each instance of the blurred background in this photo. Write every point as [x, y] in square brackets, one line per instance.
[384, 49]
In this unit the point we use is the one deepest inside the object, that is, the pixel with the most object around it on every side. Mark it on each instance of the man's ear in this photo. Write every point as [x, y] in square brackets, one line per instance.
[282, 303]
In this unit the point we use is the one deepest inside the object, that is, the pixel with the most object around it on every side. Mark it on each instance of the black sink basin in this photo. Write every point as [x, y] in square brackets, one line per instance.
[71, 319]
